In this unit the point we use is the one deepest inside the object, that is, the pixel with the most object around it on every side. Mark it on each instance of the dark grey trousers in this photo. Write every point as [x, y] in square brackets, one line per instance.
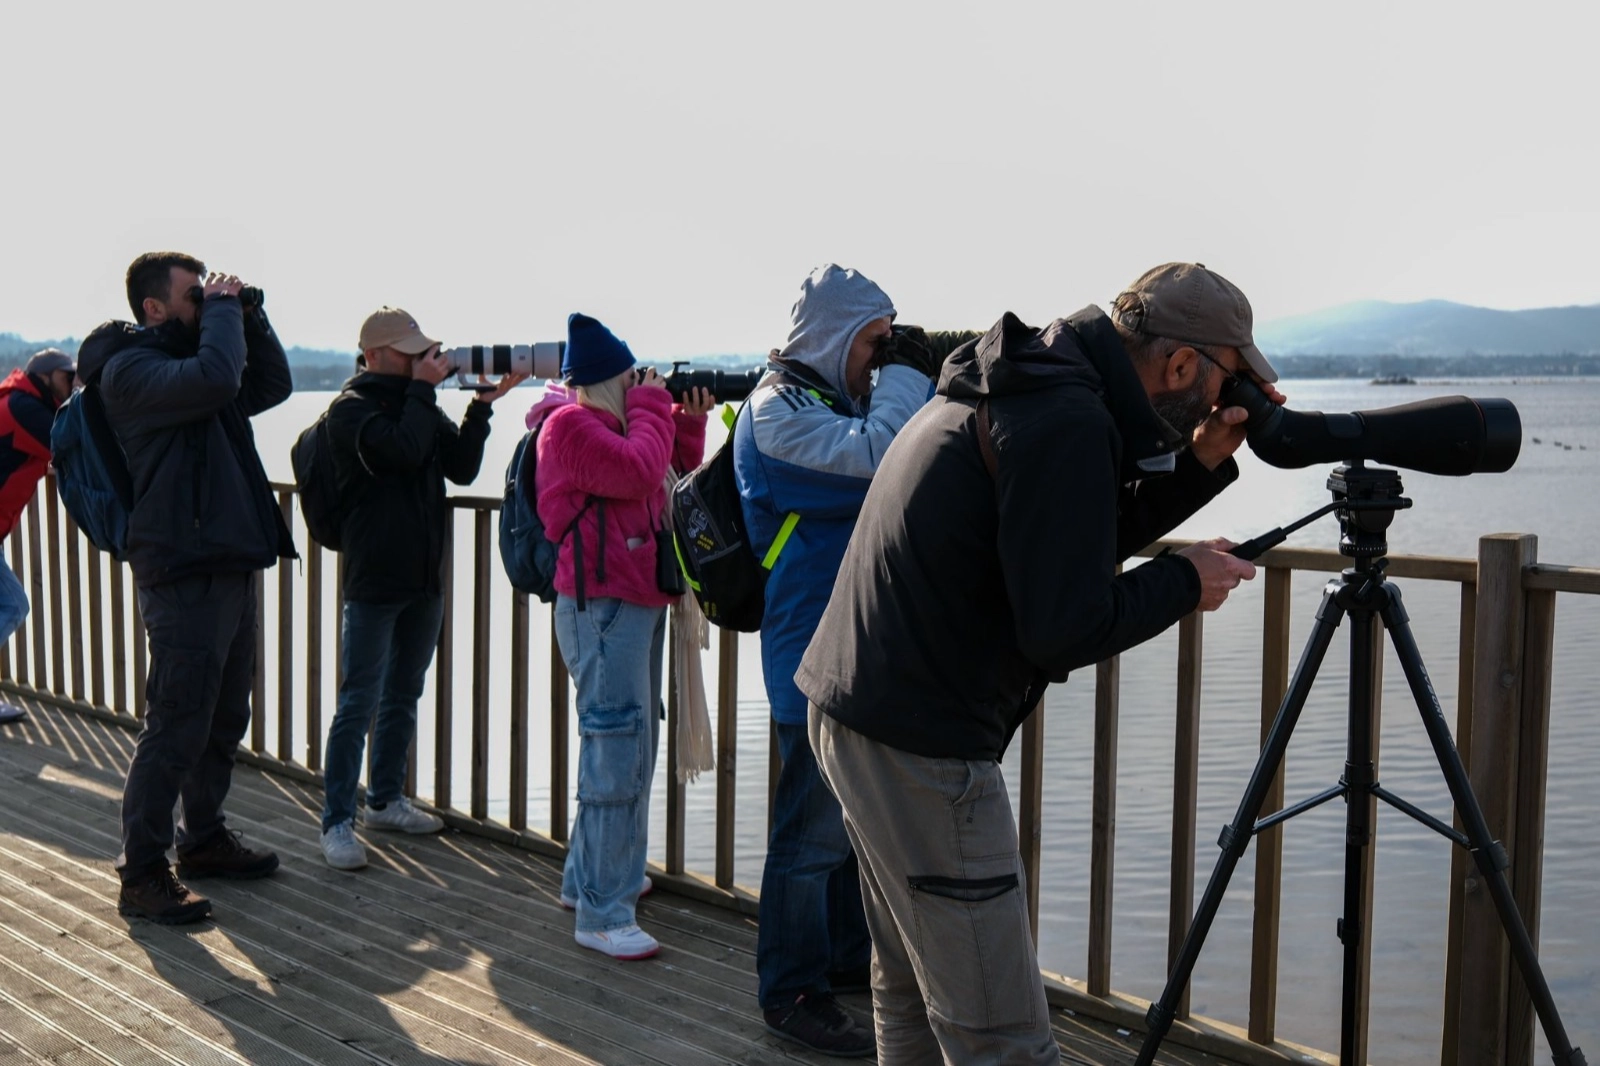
[202, 633]
[955, 981]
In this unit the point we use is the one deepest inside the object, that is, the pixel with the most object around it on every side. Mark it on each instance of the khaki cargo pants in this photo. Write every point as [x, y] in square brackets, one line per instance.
[954, 975]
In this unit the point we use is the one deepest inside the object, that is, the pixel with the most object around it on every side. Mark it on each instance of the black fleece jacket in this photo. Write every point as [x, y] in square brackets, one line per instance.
[181, 405]
[392, 451]
[961, 595]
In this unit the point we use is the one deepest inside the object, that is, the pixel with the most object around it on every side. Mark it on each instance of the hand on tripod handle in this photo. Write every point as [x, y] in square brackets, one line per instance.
[1220, 572]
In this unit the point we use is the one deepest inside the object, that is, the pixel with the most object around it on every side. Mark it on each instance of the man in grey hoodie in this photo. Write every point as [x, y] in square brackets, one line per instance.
[804, 456]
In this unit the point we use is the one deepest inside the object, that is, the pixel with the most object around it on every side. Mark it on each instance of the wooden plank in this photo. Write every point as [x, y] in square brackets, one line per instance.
[258, 675]
[727, 753]
[481, 547]
[286, 743]
[675, 791]
[1185, 789]
[141, 654]
[444, 681]
[97, 640]
[36, 595]
[74, 605]
[1533, 754]
[1268, 909]
[19, 640]
[314, 654]
[1460, 860]
[560, 738]
[1496, 732]
[1363, 1005]
[58, 639]
[119, 643]
[518, 818]
[1584, 579]
[1030, 812]
[1103, 823]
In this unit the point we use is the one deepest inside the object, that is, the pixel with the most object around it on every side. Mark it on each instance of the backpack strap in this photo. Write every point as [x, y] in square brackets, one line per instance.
[986, 439]
[577, 549]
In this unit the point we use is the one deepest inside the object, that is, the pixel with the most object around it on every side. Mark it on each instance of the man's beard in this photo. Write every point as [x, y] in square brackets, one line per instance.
[1184, 411]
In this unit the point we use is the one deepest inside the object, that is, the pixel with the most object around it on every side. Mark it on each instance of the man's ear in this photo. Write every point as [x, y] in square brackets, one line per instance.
[155, 311]
[1182, 367]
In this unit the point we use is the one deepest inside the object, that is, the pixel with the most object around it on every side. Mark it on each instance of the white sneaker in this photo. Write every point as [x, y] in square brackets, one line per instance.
[402, 816]
[627, 944]
[646, 887]
[341, 848]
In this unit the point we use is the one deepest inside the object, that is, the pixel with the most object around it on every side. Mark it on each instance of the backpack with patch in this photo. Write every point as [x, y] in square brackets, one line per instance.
[91, 468]
[708, 530]
[316, 482]
[526, 553]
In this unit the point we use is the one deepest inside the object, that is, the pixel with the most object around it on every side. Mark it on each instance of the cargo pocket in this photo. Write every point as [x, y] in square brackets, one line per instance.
[974, 946]
[610, 754]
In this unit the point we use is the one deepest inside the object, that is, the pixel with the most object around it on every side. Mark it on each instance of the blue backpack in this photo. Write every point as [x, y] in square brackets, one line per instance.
[528, 557]
[91, 469]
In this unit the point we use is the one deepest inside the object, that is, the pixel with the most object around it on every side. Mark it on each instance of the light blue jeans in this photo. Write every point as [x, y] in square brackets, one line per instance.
[13, 602]
[387, 649]
[613, 650]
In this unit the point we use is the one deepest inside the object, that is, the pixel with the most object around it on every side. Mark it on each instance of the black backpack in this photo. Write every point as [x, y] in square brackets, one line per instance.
[713, 546]
[322, 505]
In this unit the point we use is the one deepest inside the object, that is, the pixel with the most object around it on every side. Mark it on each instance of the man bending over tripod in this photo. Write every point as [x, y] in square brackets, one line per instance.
[983, 567]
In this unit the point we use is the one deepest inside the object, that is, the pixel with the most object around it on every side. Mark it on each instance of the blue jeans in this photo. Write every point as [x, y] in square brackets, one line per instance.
[387, 649]
[812, 919]
[613, 650]
[13, 602]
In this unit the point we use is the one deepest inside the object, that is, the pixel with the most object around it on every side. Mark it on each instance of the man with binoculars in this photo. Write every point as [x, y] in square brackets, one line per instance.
[804, 454]
[984, 566]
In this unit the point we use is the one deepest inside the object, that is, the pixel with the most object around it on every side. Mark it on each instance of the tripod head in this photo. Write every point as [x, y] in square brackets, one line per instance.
[1365, 500]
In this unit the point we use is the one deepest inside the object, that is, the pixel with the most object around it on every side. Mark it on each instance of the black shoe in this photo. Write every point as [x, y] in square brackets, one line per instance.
[224, 855]
[850, 979]
[160, 898]
[818, 1022]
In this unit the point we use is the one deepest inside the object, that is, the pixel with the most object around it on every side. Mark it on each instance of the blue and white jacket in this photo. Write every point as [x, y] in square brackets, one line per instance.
[804, 447]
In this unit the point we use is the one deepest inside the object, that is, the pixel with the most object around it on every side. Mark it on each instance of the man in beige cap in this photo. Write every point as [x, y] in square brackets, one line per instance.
[985, 566]
[392, 450]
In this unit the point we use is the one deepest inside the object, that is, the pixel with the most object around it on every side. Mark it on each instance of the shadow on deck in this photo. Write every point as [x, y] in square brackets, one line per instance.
[447, 949]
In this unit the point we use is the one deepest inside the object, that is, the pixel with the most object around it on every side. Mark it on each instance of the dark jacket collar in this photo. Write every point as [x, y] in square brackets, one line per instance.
[1149, 444]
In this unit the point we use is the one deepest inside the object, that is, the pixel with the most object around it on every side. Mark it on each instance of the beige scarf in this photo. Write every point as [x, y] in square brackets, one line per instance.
[691, 634]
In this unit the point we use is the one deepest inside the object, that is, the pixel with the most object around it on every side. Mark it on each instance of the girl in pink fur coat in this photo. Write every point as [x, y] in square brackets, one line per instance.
[601, 493]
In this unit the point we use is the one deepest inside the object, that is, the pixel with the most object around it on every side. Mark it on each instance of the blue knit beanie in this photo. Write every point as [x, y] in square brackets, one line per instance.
[594, 354]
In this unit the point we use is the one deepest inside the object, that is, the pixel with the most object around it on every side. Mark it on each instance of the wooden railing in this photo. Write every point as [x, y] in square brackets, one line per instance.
[1507, 616]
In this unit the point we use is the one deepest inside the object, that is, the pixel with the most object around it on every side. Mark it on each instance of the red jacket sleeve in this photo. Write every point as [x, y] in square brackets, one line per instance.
[689, 445]
[599, 461]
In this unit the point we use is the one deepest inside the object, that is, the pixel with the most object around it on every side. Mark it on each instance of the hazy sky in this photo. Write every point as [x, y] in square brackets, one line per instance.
[677, 168]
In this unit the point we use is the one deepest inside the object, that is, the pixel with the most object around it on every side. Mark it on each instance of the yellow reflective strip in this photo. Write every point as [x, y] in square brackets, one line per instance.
[771, 558]
[678, 551]
[729, 413]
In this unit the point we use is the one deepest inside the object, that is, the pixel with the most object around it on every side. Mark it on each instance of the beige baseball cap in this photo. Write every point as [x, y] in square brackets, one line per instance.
[1191, 302]
[391, 327]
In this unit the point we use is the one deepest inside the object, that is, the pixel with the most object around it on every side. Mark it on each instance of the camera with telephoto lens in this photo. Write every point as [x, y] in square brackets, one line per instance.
[724, 385]
[540, 360]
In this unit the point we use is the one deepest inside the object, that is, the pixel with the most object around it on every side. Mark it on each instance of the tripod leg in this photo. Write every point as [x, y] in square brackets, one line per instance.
[1486, 851]
[1359, 776]
[1236, 835]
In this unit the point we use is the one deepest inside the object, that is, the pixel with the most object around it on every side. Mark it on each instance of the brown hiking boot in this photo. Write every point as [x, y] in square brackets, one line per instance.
[160, 898]
[224, 855]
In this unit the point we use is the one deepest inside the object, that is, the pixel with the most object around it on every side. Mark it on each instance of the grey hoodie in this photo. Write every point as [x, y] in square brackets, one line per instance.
[834, 304]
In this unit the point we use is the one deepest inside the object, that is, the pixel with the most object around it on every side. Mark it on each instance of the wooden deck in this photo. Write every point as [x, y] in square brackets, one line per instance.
[446, 949]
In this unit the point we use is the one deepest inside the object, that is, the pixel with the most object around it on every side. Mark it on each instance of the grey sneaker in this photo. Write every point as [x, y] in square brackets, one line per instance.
[341, 848]
[401, 816]
[819, 1023]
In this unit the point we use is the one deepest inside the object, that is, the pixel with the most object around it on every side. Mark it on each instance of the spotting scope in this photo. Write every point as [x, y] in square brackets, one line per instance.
[1449, 435]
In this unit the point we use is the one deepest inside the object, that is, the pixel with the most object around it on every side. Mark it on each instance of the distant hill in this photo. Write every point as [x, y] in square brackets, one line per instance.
[1433, 329]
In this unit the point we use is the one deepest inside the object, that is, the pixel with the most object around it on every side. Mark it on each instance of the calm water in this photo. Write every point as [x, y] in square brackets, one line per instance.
[1551, 492]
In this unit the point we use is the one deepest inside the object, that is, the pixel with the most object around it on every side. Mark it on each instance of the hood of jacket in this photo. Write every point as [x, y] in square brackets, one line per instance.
[1083, 351]
[113, 337]
[834, 304]
[20, 380]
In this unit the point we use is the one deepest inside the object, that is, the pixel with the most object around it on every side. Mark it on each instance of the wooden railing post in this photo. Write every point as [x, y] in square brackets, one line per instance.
[1498, 682]
[481, 549]
[97, 641]
[314, 653]
[19, 641]
[560, 712]
[1460, 861]
[517, 817]
[58, 637]
[1263, 1024]
[676, 821]
[1185, 789]
[444, 686]
[727, 751]
[1103, 823]
[286, 641]
[1030, 819]
[1533, 755]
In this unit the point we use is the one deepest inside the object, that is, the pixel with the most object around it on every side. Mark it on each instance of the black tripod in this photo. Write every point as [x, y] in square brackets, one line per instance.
[1365, 500]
